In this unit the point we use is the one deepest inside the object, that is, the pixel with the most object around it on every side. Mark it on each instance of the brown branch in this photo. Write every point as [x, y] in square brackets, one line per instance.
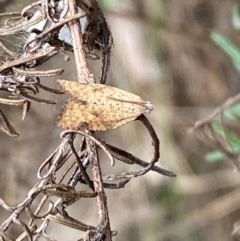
[28, 58]
[83, 73]
[85, 76]
[231, 101]
[103, 222]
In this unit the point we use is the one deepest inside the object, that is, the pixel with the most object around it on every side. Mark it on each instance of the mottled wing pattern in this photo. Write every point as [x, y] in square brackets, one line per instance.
[98, 106]
[71, 115]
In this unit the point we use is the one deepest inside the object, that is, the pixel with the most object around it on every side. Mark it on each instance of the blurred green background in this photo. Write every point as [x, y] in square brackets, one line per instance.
[184, 57]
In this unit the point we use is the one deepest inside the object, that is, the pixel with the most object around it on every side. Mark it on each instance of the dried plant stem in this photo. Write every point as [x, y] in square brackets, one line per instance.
[231, 101]
[28, 58]
[84, 76]
[83, 72]
[103, 222]
[58, 176]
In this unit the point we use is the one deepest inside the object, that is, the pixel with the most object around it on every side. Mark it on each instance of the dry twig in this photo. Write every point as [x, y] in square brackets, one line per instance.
[102, 108]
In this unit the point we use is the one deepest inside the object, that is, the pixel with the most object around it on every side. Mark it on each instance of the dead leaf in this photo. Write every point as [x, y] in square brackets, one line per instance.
[99, 107]
[6, 127]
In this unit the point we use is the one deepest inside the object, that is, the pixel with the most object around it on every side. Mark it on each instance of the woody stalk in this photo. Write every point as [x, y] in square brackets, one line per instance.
[84, 76]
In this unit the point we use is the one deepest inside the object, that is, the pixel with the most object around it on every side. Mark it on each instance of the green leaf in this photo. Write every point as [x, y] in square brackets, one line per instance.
[236, 17]
[215, 156]
[234, 140]
[236, 109]
[231, 137]
[217, 127]
[232, 113]
[229, 47]
[107, 3]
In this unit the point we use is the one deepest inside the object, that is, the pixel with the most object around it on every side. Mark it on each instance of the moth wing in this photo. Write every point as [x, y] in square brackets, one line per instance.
[71, 115]
[112, 113]
[82, 92]
[108, 125]
[74, 89]
[113, 92]
[74, 115]
[105, 107]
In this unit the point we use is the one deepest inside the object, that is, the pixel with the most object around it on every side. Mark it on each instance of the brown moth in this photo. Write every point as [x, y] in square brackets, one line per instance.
[99, 107]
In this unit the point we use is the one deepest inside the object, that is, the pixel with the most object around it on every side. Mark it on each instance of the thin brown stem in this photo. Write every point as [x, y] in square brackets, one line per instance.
[85, 76]
[103, 216]
[83, 72]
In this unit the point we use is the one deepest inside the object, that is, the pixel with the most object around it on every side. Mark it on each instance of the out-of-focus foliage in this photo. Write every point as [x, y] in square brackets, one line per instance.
[107, 3]
[236, 17]
[232, 113]
[229, 47]
[215, 156]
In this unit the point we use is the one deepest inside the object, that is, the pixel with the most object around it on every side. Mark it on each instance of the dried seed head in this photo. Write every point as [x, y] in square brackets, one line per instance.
[99, 107]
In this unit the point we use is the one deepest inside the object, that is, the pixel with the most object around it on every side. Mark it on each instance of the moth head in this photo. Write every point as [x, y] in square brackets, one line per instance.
[149, 107]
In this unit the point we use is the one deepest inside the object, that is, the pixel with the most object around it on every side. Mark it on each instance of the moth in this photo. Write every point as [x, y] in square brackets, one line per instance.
[99, 107]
